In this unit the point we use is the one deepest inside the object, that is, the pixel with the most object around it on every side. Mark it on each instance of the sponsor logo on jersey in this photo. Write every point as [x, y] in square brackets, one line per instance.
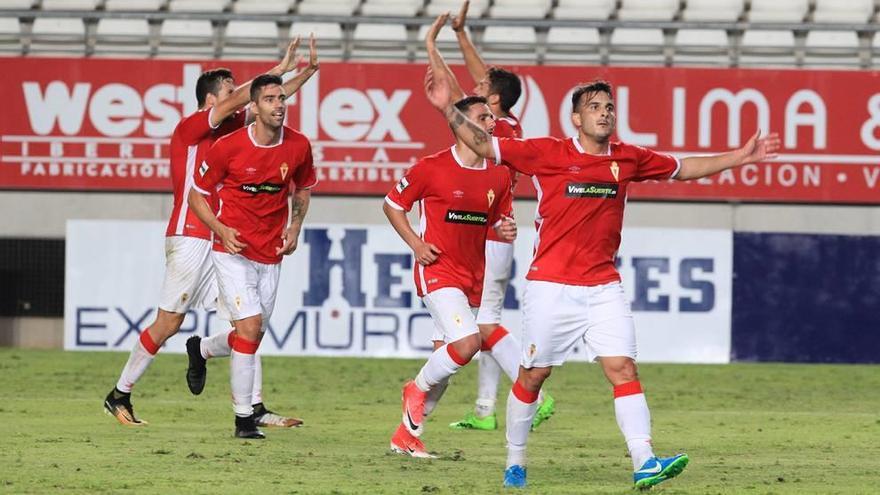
[203, 169]
[265, 187]
[615, 171]
[466, 217]
[284, 168]
[591, 190]
[403, 184]
[491, 196]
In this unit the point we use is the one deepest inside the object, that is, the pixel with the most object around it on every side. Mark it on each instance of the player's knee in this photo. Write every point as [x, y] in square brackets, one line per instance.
[468, 346]
[621, 371]
[533, 378]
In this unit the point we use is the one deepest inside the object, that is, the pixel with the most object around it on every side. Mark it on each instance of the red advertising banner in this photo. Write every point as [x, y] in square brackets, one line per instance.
[104, 125]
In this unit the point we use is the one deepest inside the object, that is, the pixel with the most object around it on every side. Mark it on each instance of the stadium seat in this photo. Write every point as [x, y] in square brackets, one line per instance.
[251, 39]
[71, 4]
[327, 7]
[584, 9]
[329, 35]
[875, 50]
[713, 10]
[648, 10]
[447, 42]
[379, 41]
[135, 5]
[520, 9]
[637, 46]
[406, 8]
[118, 37]
[573, 45]
[436, 7]
[509, 43]
[767, 48]
[197, 5]
[10, 36]
[262, 6]
[179, 38]
[17, 4]
[58, 36]
[705, 47]
[843, 11]
[778, 11]
[831, 49]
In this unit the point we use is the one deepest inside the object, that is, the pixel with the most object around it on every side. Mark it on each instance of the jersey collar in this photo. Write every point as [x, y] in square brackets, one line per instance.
[577, 146]
[458, 161]
[250, 132]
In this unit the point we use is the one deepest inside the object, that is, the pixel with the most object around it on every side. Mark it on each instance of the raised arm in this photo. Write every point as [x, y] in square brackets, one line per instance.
[755, 150]
[475, 64]
[436, 59]
[439, 93]
[293, 84]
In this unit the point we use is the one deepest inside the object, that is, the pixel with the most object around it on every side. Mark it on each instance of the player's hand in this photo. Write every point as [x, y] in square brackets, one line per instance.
[229, 237]
[431, 35]
[291, 60]
[313, 53]
[758, 149]
[290, 237]
[459, 20]
[507, 230]
[426, 253]
[438, 89]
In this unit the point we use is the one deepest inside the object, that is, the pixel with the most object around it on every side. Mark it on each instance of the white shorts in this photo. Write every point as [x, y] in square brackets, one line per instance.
[452, 315]
[247, 288]
[189, 275]
[557, 316]
[499, 259]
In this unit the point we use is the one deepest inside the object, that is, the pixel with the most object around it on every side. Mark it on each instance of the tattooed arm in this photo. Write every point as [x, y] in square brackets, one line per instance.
[298, 211]
[439, 91]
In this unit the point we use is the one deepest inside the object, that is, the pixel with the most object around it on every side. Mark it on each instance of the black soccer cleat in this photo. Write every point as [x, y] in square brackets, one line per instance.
[246, 427]
[118, 405]
[196, 372]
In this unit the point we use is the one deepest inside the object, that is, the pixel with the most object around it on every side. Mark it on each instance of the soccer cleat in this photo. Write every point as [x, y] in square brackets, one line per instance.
[659, 469]
[118, 405]
[246, 427]
[413, 408]
[404, 443]
[196, 372]
[473, 422]
[515, 477]
[545, 410]
[265, 417]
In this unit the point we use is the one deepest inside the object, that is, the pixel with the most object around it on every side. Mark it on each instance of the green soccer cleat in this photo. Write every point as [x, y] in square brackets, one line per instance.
[472, 422]
[545, 410]
[659, 469]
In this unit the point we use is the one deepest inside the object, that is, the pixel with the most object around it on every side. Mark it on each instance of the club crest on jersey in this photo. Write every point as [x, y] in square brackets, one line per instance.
[490, 195]
[403, 184]
[203, 169]
[615, 171]
[284, 168]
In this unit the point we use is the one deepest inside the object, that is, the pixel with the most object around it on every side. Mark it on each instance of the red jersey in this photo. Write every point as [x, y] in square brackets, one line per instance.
[255, 182]
[580, 202]
[190, 142]
[507, 127]
[455, 206]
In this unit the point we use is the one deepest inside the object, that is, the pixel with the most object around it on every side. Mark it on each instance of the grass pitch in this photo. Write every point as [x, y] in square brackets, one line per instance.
[749, 428]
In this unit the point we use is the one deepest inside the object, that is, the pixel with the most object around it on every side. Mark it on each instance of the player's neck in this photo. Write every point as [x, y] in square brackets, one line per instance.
[469, 159]
[498, 112]
[264, 135]
[592, 146]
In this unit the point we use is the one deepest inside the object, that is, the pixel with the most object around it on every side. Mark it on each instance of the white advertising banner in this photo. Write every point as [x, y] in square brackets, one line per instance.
[348, 291]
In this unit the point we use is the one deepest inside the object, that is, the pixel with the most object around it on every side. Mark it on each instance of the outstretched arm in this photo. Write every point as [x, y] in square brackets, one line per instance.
[439, 93]
[755, 150]
[292, 85]
[436, 59]
[475, 64]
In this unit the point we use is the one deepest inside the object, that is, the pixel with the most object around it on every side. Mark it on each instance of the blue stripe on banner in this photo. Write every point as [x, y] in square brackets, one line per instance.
[806, 298]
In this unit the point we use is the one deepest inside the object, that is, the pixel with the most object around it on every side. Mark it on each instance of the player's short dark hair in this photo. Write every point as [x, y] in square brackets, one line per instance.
[590, 89]
[506, 85]
[261, 82]
[468, 101]
[209, 82]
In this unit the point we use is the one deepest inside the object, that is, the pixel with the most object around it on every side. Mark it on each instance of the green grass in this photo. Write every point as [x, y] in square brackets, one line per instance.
[749, 428]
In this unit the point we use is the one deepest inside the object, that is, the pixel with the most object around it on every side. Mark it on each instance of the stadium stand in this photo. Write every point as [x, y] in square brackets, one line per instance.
[754, 33]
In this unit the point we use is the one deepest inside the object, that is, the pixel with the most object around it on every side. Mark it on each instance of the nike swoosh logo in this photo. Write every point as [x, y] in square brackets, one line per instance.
[412, 424]
[656, 469]
[410, 449]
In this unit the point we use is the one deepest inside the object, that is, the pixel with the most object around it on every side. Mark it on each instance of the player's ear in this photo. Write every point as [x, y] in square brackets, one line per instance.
[494, 99]
[576, 120]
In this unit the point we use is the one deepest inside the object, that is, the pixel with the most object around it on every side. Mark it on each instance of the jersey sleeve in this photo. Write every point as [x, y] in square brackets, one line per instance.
[212, 171]
[410, 188]
[304, 177]
[527, 156]
[232, 123]
[655, 166]
[195, 127]
[504, 205]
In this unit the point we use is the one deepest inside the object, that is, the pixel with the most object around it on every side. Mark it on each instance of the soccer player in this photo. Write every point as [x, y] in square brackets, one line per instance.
[459, 196]
[573, 291]
[189, 273]
[251, 172]
[500, 350]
